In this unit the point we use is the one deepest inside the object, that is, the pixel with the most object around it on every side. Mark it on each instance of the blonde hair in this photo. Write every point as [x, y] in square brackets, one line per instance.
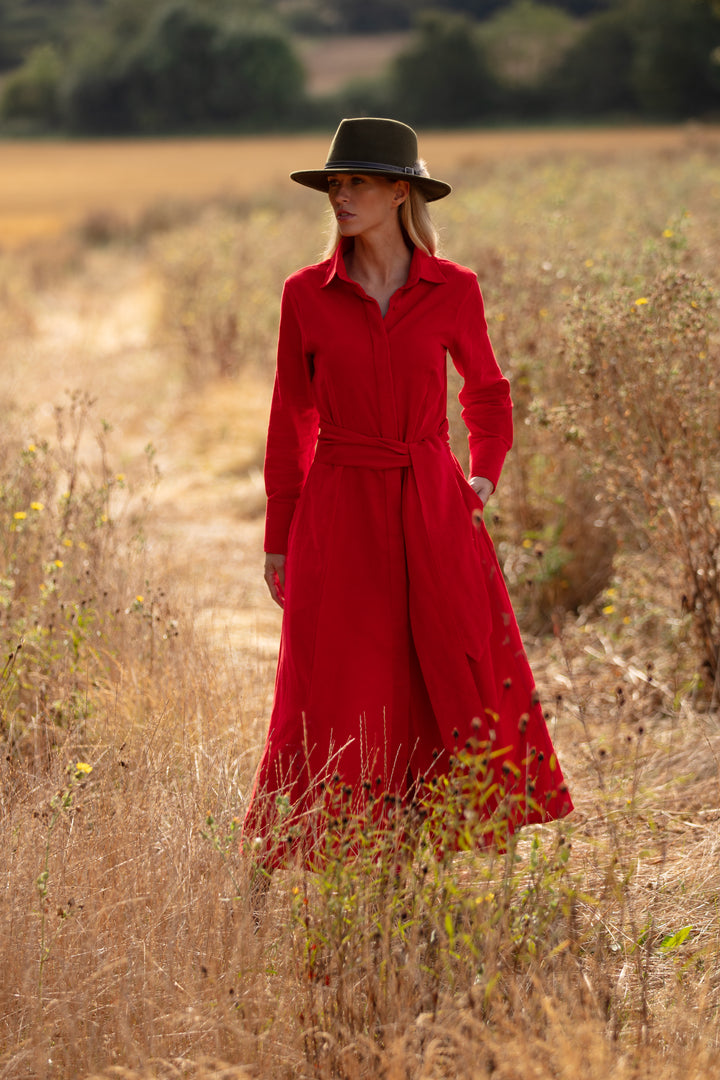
[415, 221]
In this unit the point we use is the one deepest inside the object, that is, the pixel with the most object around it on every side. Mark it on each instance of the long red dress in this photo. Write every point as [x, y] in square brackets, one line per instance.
[399, 647]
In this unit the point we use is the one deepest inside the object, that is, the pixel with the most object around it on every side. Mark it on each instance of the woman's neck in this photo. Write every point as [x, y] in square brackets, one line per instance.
[379, 269]
[381, 262]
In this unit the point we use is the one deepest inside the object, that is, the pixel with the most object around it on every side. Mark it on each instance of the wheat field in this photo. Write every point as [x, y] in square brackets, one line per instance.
[45, 187]
[139, 291]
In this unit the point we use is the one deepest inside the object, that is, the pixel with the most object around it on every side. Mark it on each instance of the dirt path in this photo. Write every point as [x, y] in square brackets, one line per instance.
[95, 333]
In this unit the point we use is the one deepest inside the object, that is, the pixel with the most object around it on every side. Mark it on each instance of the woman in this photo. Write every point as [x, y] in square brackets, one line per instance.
[400, 657]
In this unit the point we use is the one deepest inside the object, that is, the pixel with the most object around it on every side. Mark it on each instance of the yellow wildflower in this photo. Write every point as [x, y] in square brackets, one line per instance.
[139, 599]
[589, 263]
[19, 515]
[668, 233]
[608, 609]
[83, 768]
[527, 543]
[59, 563]
[641, 300]
[37, 506]
[32, 448]
[67, 542]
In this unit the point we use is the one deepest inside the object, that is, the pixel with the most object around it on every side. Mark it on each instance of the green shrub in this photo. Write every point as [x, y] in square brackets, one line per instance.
[595, 75]
[257, 78]
[30, 94]
[653, 56]
[675, 70]
[443, 77]
[188, 69]
[524, 39]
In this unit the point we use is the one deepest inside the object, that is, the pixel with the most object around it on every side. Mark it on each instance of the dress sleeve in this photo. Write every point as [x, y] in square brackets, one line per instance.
[485, 396]
[293, 428]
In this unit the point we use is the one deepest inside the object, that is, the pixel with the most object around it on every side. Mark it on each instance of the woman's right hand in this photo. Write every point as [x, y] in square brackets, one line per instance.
[482, 487]
[275, 577]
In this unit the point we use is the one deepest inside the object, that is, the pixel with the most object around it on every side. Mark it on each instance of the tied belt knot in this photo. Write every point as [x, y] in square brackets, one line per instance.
[446, 550]
[341, 446]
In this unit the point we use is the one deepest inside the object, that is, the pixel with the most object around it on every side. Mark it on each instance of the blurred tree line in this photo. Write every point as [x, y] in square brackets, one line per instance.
[146, 66]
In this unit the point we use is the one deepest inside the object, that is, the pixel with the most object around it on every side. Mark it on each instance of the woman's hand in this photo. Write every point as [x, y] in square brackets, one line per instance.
[275, 577]
[483, 488]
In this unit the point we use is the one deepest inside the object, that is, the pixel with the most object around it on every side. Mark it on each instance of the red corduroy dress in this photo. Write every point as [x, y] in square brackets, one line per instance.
[399, 646]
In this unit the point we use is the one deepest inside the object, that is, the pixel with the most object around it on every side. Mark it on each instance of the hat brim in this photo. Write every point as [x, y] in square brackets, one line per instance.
[318, 180]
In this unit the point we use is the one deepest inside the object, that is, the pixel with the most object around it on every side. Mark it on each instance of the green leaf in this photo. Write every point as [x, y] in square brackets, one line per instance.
[673, 941]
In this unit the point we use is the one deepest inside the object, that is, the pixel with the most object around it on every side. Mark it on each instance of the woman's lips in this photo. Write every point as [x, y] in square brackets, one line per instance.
[344, 215]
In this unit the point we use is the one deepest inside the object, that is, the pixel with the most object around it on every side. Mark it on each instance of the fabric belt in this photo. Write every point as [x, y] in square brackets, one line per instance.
[444, 545]
[340, 446]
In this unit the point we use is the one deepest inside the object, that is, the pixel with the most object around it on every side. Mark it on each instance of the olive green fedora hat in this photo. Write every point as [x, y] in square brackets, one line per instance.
[375, 146]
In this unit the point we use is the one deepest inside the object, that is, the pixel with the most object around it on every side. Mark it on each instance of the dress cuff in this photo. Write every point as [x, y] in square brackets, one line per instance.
[278, 517]
[487, 459]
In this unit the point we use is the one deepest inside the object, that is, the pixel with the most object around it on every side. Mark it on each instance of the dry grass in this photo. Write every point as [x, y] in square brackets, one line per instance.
[126, 943]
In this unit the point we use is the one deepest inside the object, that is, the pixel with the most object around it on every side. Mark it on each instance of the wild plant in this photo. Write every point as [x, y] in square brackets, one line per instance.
[388, 922]
[66, 588]
[643, 413]
[61, 803]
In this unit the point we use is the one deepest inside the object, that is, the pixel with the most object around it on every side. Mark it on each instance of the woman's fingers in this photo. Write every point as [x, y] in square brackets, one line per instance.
[482, 487]
[275, 577]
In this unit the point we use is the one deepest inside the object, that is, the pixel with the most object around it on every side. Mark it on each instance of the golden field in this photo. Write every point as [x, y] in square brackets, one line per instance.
[47, 186]
[139, 290]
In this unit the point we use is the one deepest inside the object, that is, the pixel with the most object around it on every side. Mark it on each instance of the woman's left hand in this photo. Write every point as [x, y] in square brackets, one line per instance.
[482, 487]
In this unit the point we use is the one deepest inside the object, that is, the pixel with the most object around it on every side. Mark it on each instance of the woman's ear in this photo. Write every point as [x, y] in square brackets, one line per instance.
[402, 190]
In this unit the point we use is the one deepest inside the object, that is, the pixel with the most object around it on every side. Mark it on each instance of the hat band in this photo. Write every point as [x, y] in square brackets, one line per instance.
[412, 170]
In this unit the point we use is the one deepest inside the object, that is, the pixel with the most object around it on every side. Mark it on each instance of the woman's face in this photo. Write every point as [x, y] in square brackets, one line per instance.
[362, 203]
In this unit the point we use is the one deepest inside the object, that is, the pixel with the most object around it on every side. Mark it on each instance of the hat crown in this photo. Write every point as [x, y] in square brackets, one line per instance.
[374, 141]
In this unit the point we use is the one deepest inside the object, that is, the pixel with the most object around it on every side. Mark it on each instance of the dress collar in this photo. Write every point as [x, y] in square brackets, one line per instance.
[422, 266]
